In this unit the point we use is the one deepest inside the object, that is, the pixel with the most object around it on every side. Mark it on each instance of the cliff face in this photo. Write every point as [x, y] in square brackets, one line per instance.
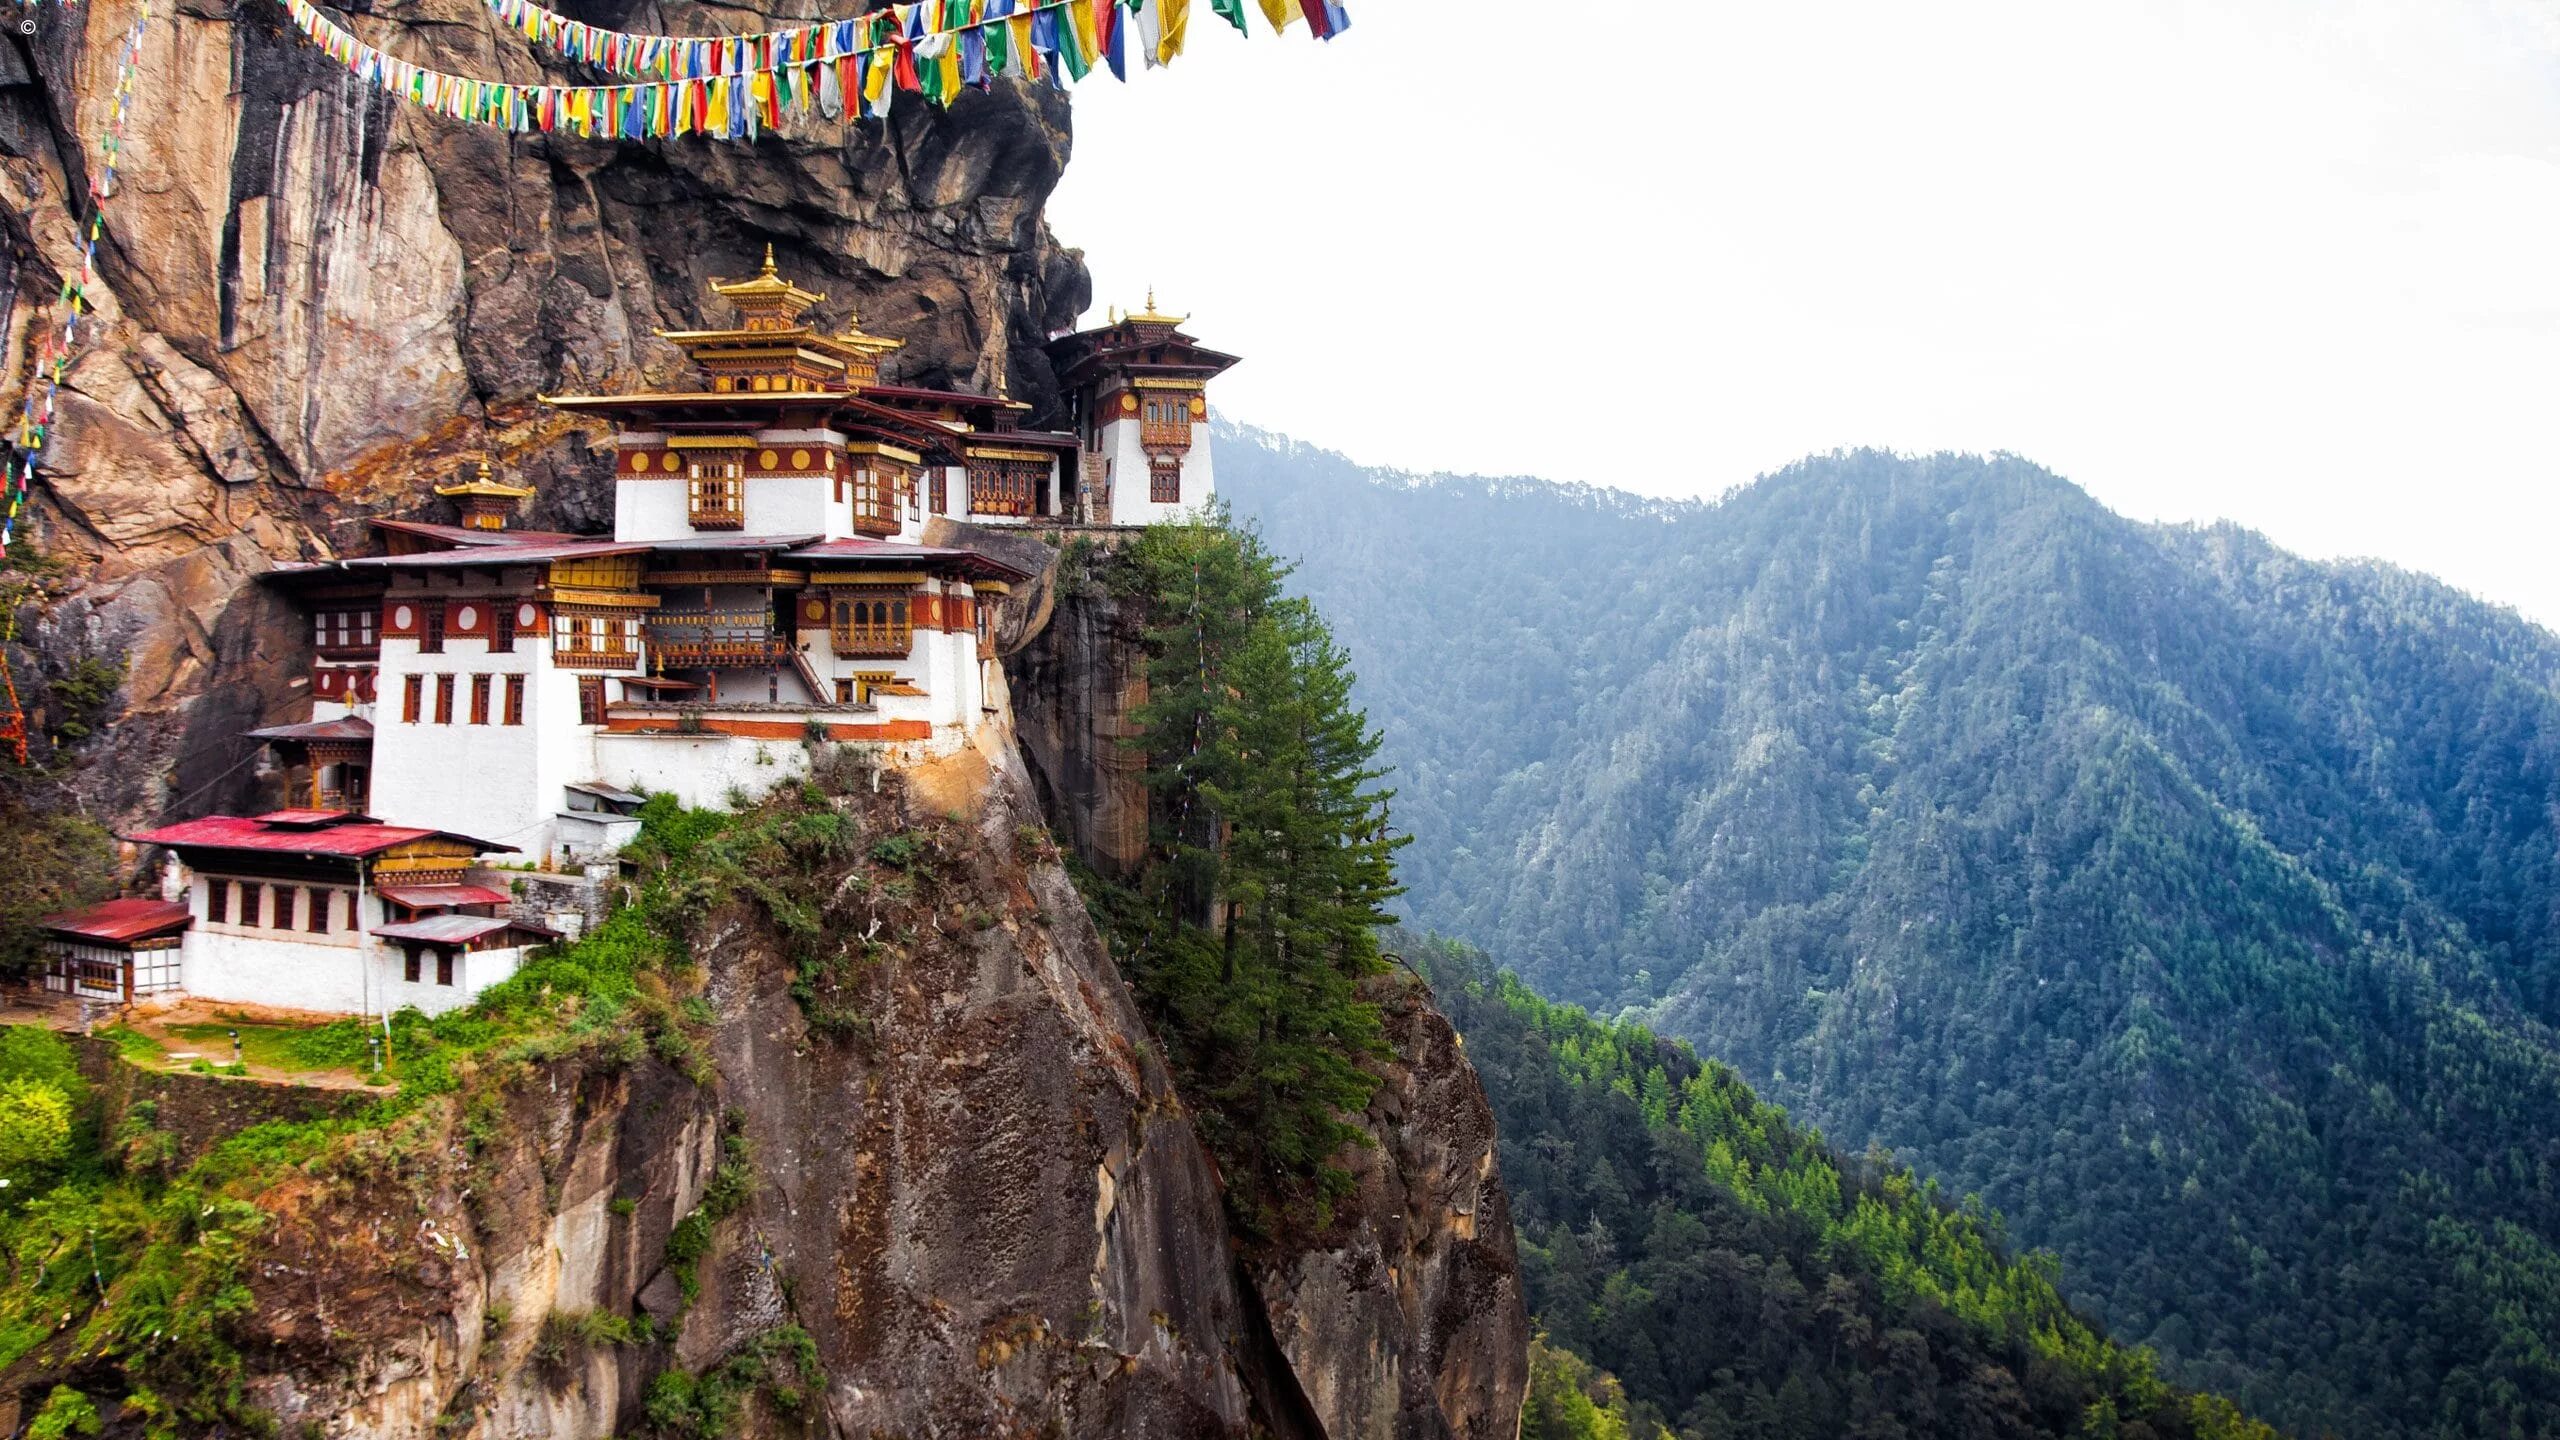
[979, 1198]
[984, 1205]
[314, 303]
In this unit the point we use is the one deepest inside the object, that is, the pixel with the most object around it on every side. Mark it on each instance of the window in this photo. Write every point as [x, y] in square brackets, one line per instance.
[217, 901]
[342, 630]
[431, 627]
[984, 617]
[413, 692]
[590, 699]
[872, 622]
[715, 494]
[1164, 484]
[444, 967]
[844, 692]
[315, 910]
[502, 629]
[253, 905]
[877, 487]
[1007, 487]
[515, 700]
[479, 699]
[941, 491]
[444, 699]
[283, 919]
[409, 963]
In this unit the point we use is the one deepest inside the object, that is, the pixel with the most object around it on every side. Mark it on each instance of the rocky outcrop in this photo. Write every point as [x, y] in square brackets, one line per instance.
[1077, 683]
[1408, 1318]
[314, 302]
[984, 1205]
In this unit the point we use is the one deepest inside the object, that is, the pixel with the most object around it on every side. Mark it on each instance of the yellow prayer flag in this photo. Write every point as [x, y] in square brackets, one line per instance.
[1176, 15]
[1281, 13]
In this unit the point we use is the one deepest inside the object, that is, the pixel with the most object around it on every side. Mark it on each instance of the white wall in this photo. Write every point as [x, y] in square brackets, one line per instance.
[254, 969]
[699, 770]
[1130, 484]
[495, 782]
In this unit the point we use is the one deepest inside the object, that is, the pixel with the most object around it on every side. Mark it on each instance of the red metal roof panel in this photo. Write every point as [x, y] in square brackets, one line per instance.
[121, 920]
[354, 839]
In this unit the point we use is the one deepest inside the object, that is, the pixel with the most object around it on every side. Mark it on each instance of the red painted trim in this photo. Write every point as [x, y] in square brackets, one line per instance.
[775, 729]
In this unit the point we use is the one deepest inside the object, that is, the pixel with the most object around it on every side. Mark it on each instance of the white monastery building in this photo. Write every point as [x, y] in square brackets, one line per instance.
[480, 691]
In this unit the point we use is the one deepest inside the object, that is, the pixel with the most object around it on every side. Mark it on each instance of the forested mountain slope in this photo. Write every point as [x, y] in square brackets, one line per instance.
[1740, 1279]
[2192, 902]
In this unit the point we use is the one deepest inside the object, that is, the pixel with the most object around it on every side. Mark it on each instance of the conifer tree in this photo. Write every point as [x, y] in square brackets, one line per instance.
[1275, 862]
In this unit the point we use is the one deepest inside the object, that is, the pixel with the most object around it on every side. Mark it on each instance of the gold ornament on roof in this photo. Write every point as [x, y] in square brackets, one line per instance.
[486, 484]
[767, 301]
[1151, 317]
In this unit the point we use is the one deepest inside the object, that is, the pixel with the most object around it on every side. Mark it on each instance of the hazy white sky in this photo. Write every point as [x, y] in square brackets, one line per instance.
[2291, 262]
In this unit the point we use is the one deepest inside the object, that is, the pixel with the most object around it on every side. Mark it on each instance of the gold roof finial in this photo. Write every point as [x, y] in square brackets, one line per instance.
[485, 483]
[1153, 316]
[767, 301]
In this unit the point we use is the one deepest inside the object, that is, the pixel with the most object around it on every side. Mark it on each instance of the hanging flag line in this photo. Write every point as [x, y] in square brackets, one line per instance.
[53, 359]
[672, 57]
[739, 87]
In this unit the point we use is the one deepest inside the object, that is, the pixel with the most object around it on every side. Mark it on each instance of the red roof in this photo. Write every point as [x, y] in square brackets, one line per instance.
[298, 832]
[121, 920]
[975, 563]
[494, 556]
[347, 727]
[474, 536]
[440, 897]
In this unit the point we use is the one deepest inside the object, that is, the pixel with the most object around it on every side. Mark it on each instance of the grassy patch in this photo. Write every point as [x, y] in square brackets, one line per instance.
[134, 1270]
[336, 1046]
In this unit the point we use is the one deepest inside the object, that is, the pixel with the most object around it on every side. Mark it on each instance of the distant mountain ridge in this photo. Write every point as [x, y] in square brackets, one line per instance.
[2192, 901]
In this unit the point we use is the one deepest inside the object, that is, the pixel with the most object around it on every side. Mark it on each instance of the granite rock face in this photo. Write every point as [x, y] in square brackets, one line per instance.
[986, 1206]
[314, 303]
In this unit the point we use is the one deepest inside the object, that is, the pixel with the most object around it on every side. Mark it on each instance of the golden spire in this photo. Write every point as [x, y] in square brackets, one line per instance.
[484, 501]
[1152, 317]
[766, 301]
[484, 483]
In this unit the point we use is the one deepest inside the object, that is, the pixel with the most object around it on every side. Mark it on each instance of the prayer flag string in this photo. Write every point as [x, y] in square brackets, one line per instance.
[737, 87]
[52, 360]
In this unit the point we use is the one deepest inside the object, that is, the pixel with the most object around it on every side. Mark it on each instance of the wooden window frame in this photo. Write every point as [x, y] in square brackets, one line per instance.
[480, 699]
[715, 494]
[430, 627]
[315, 909]
[217, 902]
[1164, 484]
[409, 964]
[444, 699]
[413, 698]
[854, 628]
[444, 965]
[502, 629]
[590, 699]
[513, 714]
[253, 905]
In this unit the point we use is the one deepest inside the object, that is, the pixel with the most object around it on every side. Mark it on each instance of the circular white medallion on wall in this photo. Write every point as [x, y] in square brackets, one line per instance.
[402, 618]
[525, 616]
[466, 618]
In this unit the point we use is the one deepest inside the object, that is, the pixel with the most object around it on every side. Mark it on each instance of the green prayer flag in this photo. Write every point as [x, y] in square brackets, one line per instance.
[1232, 11]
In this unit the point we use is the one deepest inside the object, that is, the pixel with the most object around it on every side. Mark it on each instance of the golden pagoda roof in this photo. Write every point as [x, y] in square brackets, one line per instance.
[854, 338]
[1152, 317]
[487, 484]
[766, 286]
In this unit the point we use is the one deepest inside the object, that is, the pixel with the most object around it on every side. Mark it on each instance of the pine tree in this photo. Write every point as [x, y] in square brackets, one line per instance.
[1275, 863]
